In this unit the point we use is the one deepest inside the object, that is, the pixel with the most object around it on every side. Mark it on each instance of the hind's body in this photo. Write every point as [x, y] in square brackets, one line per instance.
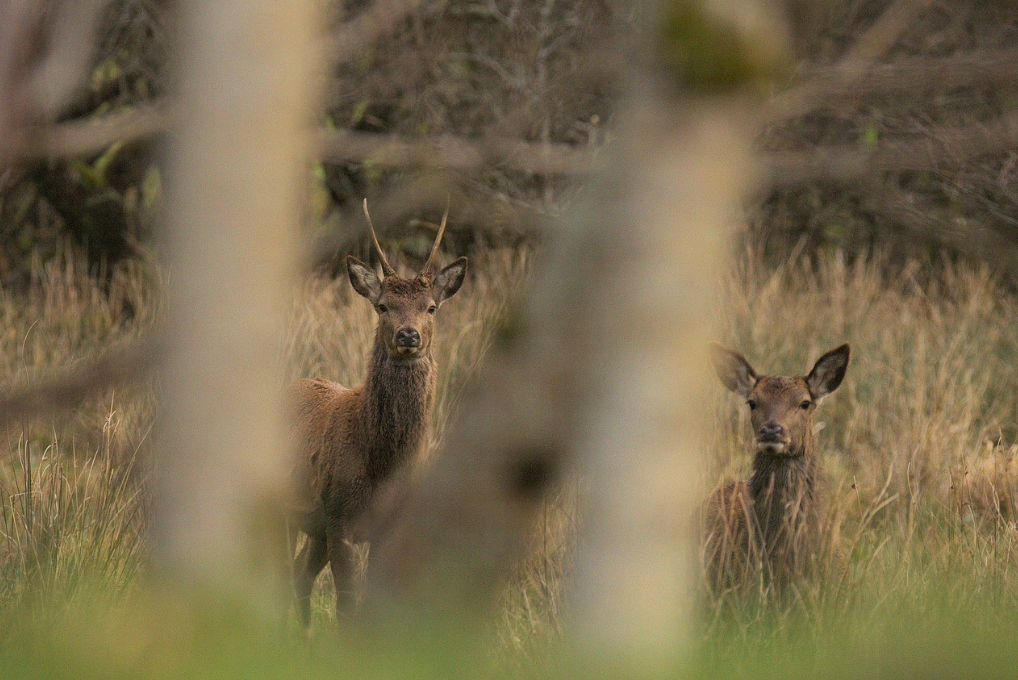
[771, 522]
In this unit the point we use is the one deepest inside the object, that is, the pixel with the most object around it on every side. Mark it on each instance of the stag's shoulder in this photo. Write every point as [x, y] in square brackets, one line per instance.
[308, 393]
[321, 415]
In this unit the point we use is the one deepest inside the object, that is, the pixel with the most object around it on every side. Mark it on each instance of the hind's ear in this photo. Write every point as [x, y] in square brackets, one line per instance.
[733, 370]
[364, 279]
[828, 372]
[449, 280]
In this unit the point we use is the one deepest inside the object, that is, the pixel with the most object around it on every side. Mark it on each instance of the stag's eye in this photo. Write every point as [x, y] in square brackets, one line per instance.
[805, 404]
[382, 309]
[752, 404]
[431, 309]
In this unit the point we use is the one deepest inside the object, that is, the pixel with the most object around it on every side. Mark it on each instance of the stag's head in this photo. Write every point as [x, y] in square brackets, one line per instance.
[781, 407]
[406, 307]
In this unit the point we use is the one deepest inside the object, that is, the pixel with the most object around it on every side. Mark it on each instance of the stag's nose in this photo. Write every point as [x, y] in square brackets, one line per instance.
[408, 337]
[770, 431]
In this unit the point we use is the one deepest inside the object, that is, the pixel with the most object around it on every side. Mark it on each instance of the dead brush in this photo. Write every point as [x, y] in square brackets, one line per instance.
[986, 485]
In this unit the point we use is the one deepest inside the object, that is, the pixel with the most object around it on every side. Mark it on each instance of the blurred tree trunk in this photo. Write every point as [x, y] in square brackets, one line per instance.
[601, 368]
[243, 79]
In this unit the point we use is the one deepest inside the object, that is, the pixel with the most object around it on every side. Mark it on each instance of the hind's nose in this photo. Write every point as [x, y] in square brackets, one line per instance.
[408, 337]
[770, 431]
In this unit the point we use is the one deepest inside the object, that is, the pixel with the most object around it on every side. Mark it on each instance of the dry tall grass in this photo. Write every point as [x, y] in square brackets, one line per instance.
[918, 445]
[71, 506]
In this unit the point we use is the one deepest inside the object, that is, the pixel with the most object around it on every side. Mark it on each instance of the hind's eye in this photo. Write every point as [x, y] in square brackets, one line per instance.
[752, 404]
[382, 309]
[431, 309]
[805, 405]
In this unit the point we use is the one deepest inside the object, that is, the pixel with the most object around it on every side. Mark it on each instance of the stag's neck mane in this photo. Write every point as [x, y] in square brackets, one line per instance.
[398, 396]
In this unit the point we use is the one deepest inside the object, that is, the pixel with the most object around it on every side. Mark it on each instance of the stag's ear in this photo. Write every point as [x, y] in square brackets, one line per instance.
[733, 370]
[828, 372]
[364, 279]
[449, 280]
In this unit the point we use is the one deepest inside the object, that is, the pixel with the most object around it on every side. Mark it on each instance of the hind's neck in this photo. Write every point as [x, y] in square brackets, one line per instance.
[783, 489]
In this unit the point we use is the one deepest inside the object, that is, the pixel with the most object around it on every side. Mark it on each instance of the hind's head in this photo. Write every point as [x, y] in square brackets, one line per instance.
[781, 407]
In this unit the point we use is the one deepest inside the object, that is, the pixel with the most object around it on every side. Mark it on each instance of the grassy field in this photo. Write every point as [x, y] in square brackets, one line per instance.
[918, 447]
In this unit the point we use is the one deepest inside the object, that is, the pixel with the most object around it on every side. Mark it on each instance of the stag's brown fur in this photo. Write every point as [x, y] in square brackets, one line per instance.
[772, 522]
[352, 441]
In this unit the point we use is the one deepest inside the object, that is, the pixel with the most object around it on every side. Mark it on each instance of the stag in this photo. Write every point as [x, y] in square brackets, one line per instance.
[773, 520]
[351, 442]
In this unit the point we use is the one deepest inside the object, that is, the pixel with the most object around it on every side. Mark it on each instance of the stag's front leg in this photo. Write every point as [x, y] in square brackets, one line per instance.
[341, 559]
[309, 563]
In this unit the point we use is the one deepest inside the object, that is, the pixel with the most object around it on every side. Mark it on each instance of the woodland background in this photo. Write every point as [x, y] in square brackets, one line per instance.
[881, 211]
[910, 150]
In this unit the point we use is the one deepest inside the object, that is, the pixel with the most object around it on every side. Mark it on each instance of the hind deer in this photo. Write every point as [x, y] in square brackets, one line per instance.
[773, 520]
[351, 441]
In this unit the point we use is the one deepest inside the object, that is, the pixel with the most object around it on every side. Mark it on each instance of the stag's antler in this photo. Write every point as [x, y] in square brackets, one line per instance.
[387, 269]
[427, 269]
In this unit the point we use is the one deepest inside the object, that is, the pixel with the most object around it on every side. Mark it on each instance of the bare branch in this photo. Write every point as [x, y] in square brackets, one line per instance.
[455, 153]
[72, 47]
[354, 37]
[20, 37]
[871, 45]
[427, 191]
[44, 58]
[92, 135]
[944, 146]
[69, 387]
[978, 68]
[973, 236]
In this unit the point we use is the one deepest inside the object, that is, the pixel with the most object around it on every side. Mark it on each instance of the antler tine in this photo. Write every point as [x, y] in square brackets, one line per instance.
[387, 269]
[429, 265]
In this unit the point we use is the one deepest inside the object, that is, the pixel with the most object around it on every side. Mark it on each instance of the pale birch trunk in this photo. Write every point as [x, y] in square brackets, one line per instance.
[244, 77]
[678, 186]
[602, 368]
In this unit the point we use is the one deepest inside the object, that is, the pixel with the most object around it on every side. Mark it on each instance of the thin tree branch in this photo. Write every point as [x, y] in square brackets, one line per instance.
[978, 68]
[72, 45]
[84, 136]
[955, 145]
[942, 147]
[870, 46]
[406, 199]
[67, 388]
[44, 58]
[20, 37]
[978, 238]
[356, 36]
[454, 153]
[92, 135]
